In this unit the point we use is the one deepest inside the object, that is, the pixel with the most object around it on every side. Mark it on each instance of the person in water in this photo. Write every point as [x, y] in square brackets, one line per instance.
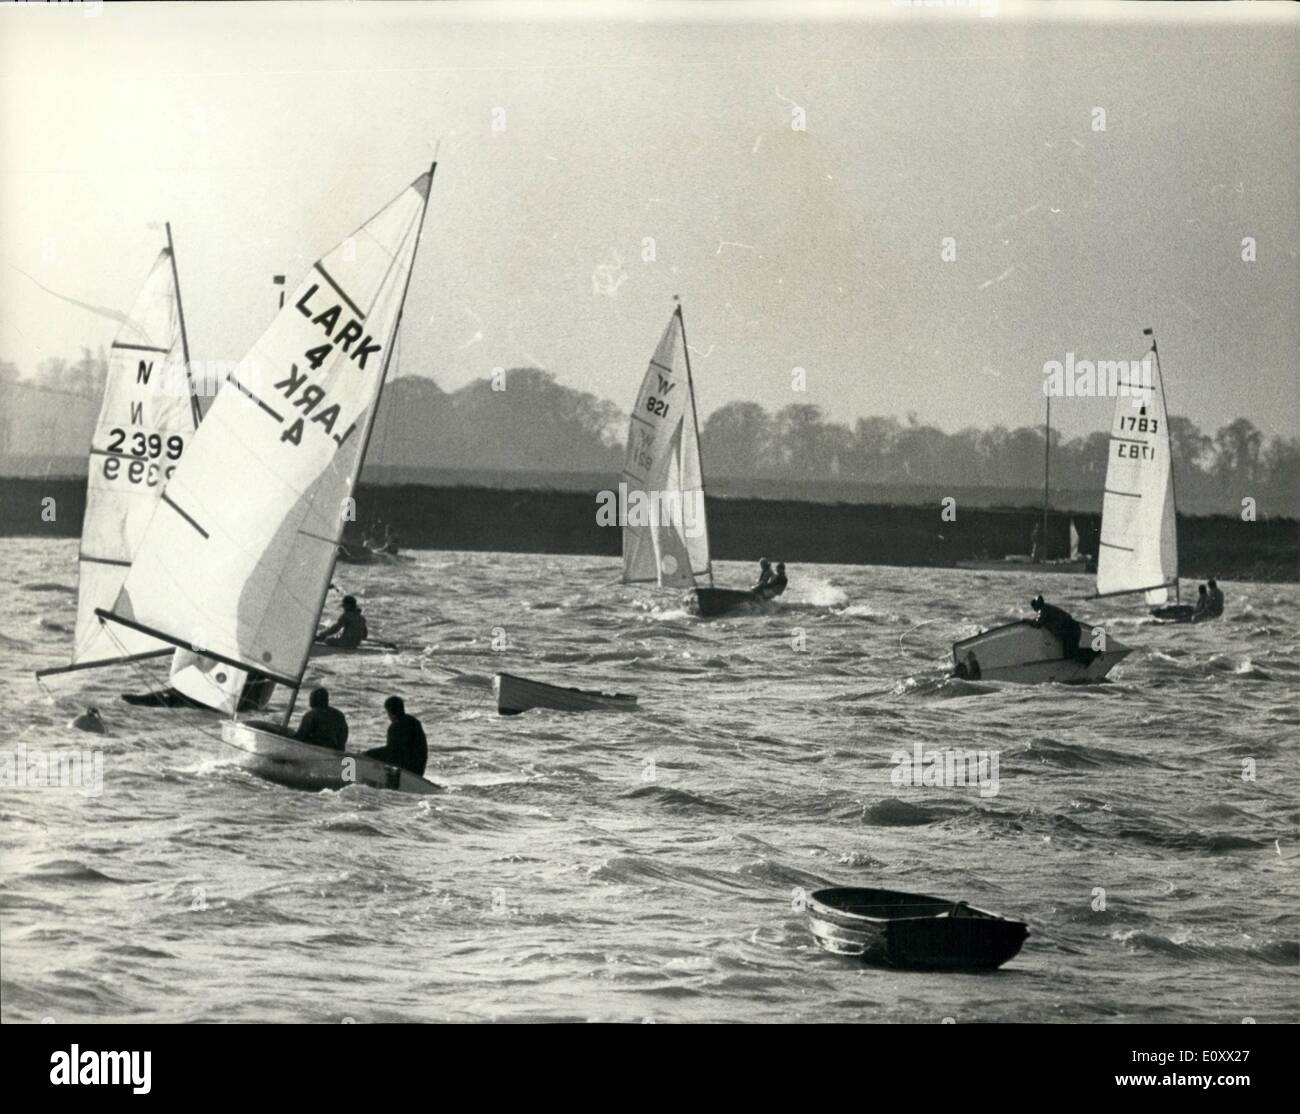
[406, 747]
[776, 585]
[1215, 606]
[764, 575]
[322, 725]
[1065, 627]
[350, 630]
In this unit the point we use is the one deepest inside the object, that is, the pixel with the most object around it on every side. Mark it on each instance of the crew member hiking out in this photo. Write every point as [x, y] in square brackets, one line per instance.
[764, 575]
[406, 746]
[322, 725]
[350, 629]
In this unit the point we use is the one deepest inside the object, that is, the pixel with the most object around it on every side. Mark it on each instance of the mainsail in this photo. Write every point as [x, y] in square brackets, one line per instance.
[236, 563]
[1139, 540]
[145, 427]
[665, 534]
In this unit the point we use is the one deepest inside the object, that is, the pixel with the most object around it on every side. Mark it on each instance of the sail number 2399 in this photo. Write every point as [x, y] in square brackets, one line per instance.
[137, 457]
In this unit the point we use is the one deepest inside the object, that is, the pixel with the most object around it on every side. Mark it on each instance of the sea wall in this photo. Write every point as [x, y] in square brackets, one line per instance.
[524, 521]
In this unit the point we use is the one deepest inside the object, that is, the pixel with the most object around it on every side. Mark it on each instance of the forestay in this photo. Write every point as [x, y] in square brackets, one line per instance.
[665, 534]
[237, 560]
[1139, 542]
[145, 427]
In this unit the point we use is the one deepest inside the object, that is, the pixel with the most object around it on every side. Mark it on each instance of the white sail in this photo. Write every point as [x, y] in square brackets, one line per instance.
[145, 427]
[237, 560]
[216, 684]
[665, 534]
[1139, 543]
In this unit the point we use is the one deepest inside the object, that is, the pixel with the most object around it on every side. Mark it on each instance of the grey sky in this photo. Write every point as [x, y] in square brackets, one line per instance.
[268, 133]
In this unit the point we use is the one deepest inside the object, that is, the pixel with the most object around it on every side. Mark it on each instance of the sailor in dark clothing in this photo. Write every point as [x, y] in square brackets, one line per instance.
[350, 630]
[764, 575]
[1202, 603]
[1065, 627]
[1214, 608]
[777, 584]
[406, 746]
[322, 725]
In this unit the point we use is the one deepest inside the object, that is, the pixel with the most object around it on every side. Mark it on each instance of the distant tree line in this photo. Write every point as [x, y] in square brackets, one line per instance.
[526, 420]
[797, 442]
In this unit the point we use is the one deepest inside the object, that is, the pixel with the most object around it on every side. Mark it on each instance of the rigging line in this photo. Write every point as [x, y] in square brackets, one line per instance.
[148, 683]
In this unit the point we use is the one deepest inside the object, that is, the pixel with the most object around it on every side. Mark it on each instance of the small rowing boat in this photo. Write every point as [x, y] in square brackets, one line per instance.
[518, 694]
[271, 752]
[890, 928]
[1027, 654]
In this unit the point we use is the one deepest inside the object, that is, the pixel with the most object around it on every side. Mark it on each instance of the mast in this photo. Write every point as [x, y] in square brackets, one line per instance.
[1173, 490]
[1047, 470]
[695, 419]
[185, 342]
[370, 426]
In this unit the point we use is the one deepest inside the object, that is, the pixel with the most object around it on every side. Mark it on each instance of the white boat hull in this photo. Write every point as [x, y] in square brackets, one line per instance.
[518, 694]
[1026, 654]
[267, 751]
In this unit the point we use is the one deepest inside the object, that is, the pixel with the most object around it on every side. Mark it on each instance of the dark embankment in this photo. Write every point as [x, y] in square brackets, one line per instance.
[741, 529]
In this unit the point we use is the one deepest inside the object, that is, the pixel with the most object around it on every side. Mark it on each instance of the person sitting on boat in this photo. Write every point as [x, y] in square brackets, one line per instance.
[350, 630]
[764, 575]
[776, 585]
[1202, 602]
[1065, 627]
[406, 747]
[322, 725]
[390, 541]
[1215, 607]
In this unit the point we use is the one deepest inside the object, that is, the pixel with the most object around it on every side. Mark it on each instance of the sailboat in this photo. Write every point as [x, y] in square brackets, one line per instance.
[145, 426]
[1037, 561]
[665, 528]
[1139, 526]
[236, 562]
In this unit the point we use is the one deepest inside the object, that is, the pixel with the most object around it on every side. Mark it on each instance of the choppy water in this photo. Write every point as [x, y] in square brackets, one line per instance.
[645, 866]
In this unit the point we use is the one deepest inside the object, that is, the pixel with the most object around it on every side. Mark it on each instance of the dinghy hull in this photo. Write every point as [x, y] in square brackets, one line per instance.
[713, 602]
[1026, 654]
[519, 694]
[889, 928]
[269, 752]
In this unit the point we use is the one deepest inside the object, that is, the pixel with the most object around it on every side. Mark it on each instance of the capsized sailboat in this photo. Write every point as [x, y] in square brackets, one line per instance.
[237, 561]
[665, 527]
[146, 422]
[1139, 526]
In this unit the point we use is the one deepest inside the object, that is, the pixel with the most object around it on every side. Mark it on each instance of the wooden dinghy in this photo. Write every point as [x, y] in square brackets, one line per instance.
[890, 928]
[366, 649]
[1026, 654]
[518, 694]
[271, 752]
[1175, 613]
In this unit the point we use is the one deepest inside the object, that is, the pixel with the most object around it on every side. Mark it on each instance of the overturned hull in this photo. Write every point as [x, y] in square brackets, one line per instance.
[519, 694]
[1024, 653]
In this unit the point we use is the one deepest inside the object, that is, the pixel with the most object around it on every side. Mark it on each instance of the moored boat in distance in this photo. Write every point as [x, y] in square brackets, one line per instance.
[271, 752]
[891, 928]
[1029, 654]
[518, 694]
